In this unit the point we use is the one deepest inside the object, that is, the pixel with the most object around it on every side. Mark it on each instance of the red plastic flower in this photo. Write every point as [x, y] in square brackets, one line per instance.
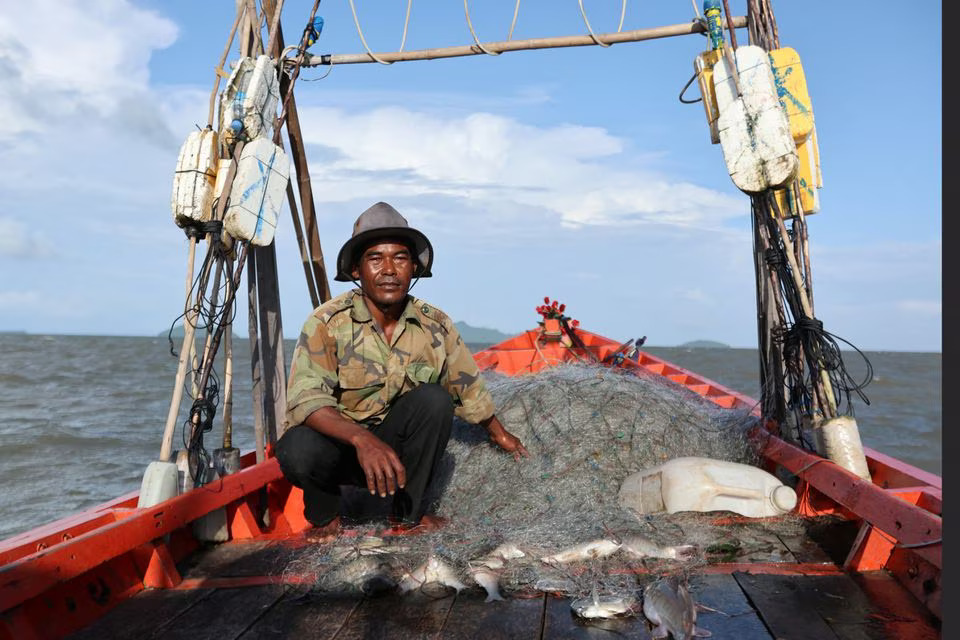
[561, 308]
[546, 300]
[575, 324]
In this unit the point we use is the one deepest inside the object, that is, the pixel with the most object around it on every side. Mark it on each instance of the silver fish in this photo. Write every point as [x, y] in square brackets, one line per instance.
[497, 558]
[489, 580]
[433, 570]
[602, 606]
[555, 585]
[586, 551]
[640, 547]
[367, 574]
[668, 606]
[507, 551]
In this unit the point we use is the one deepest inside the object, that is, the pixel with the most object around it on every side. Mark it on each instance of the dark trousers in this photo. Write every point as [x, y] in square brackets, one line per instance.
[417, 427]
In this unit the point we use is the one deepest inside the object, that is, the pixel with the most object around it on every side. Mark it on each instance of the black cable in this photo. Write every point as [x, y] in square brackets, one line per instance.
[684, 90]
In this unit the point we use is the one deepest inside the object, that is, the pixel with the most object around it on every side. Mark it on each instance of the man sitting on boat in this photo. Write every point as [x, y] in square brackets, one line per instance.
[376, 379]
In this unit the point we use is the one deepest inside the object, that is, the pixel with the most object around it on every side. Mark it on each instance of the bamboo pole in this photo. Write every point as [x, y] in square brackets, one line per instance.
[189, 327]
[831, 402]
[529, 44]
[228, 387]
[223, 58]
[289, 116]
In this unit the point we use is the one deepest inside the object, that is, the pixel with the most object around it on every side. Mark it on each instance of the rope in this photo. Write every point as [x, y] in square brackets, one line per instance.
[516, 11]
[696, 9]
[363, 40]
[406, 22]
[466, 11]
[586, 21]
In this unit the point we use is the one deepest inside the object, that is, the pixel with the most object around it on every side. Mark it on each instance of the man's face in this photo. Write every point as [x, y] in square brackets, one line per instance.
[384, 271]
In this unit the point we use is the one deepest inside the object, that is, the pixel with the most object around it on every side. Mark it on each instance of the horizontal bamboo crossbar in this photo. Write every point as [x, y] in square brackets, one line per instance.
[515, 45]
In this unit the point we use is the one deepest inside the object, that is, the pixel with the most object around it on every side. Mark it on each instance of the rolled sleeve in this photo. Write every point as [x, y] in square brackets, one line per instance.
[313, 373]
[462, 379]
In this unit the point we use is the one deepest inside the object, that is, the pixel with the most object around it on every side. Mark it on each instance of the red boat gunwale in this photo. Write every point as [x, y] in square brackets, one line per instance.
[126, 549]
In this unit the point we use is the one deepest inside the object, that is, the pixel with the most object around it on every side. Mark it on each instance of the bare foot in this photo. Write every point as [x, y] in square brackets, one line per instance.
[326, 533]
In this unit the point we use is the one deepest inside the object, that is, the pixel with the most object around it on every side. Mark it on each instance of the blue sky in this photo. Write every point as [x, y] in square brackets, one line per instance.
[572, 173]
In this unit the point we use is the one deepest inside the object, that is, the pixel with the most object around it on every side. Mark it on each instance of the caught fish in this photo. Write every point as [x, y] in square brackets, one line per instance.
[497, 558]
[586, 551]
[640, 547]
[433, 570]
[667, 604]
[507, 551]
[555, 585]
[489, 580]
[367, 574]
[602, 606]
[366, 546]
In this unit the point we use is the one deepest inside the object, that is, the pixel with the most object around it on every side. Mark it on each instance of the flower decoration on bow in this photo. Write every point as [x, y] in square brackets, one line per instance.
[555, 309]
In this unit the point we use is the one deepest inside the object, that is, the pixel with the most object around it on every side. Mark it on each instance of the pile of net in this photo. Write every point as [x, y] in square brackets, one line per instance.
[587, 428]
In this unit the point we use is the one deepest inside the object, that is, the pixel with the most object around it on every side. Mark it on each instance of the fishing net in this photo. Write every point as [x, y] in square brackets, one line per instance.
[587, 428]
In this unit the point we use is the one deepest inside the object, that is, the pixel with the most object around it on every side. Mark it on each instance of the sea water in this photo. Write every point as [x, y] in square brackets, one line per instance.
[82, 416]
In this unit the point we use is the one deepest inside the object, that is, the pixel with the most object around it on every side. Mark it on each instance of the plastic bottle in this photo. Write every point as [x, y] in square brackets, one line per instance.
[713, 12]
[703, 484]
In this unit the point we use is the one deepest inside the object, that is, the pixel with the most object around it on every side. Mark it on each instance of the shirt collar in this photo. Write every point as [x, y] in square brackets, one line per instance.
[360, 313]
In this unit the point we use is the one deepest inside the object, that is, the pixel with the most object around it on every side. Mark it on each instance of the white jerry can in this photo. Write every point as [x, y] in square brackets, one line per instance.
[257, 192]
[194, 179]
[249, 102]
[754, 131]
[704, 484]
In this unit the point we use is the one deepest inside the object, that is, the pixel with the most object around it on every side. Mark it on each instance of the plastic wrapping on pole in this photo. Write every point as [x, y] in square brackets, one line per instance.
[841, 439]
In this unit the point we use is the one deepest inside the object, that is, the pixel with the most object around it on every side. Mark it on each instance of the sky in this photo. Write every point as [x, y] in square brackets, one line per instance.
[573, 173]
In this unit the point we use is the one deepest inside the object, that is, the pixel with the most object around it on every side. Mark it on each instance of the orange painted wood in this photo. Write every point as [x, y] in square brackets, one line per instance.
[907, 523]
[32, 575]
[888, 472]
[243, 523]
[870, 551]
[161, 571]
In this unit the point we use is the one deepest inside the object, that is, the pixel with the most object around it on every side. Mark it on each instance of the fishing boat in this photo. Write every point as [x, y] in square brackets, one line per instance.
[210, 557]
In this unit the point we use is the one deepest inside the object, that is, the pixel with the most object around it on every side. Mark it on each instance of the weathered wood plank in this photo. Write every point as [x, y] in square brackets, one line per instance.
[319, 617]
[226, 613]
[736, 617]
[894, 609]
[561, 623]
[231, 559]
[805, 550]
[512, 619]
[787, 605]
[414, 615]
[139, 616]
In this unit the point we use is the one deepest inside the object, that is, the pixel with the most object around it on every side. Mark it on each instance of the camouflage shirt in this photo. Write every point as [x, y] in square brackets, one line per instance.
[342, 360]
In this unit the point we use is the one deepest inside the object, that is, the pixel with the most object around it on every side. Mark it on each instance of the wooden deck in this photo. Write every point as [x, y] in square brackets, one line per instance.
[239, 590]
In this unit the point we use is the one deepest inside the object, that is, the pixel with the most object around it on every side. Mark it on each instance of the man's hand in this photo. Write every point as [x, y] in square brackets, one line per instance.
[504, 439]
[385, 473]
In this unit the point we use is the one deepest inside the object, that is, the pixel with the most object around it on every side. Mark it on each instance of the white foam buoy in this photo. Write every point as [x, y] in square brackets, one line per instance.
[758, 148]
[841, 440]
[257, 193]
[704, 484]
[248, 104]
[194, 179]
[160, 483]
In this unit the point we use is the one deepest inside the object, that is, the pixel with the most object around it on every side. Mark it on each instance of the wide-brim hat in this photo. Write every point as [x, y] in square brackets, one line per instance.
[383, 221]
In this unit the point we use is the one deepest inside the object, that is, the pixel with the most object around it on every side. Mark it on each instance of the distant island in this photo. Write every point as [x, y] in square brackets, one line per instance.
[480, 335]
[704, 344]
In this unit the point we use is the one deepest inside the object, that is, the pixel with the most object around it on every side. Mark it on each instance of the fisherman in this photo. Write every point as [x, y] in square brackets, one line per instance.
[376, 379]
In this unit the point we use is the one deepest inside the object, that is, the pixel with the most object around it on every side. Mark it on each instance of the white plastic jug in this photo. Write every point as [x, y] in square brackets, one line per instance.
[703, 484]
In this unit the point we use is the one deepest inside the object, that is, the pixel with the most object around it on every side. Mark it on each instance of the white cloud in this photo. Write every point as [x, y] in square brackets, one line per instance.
[921, 307]
[68, 58]
[18, 241]
[581, 175]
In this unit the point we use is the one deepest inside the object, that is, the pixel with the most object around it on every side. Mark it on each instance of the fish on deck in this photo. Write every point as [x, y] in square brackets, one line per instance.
[667, 604]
